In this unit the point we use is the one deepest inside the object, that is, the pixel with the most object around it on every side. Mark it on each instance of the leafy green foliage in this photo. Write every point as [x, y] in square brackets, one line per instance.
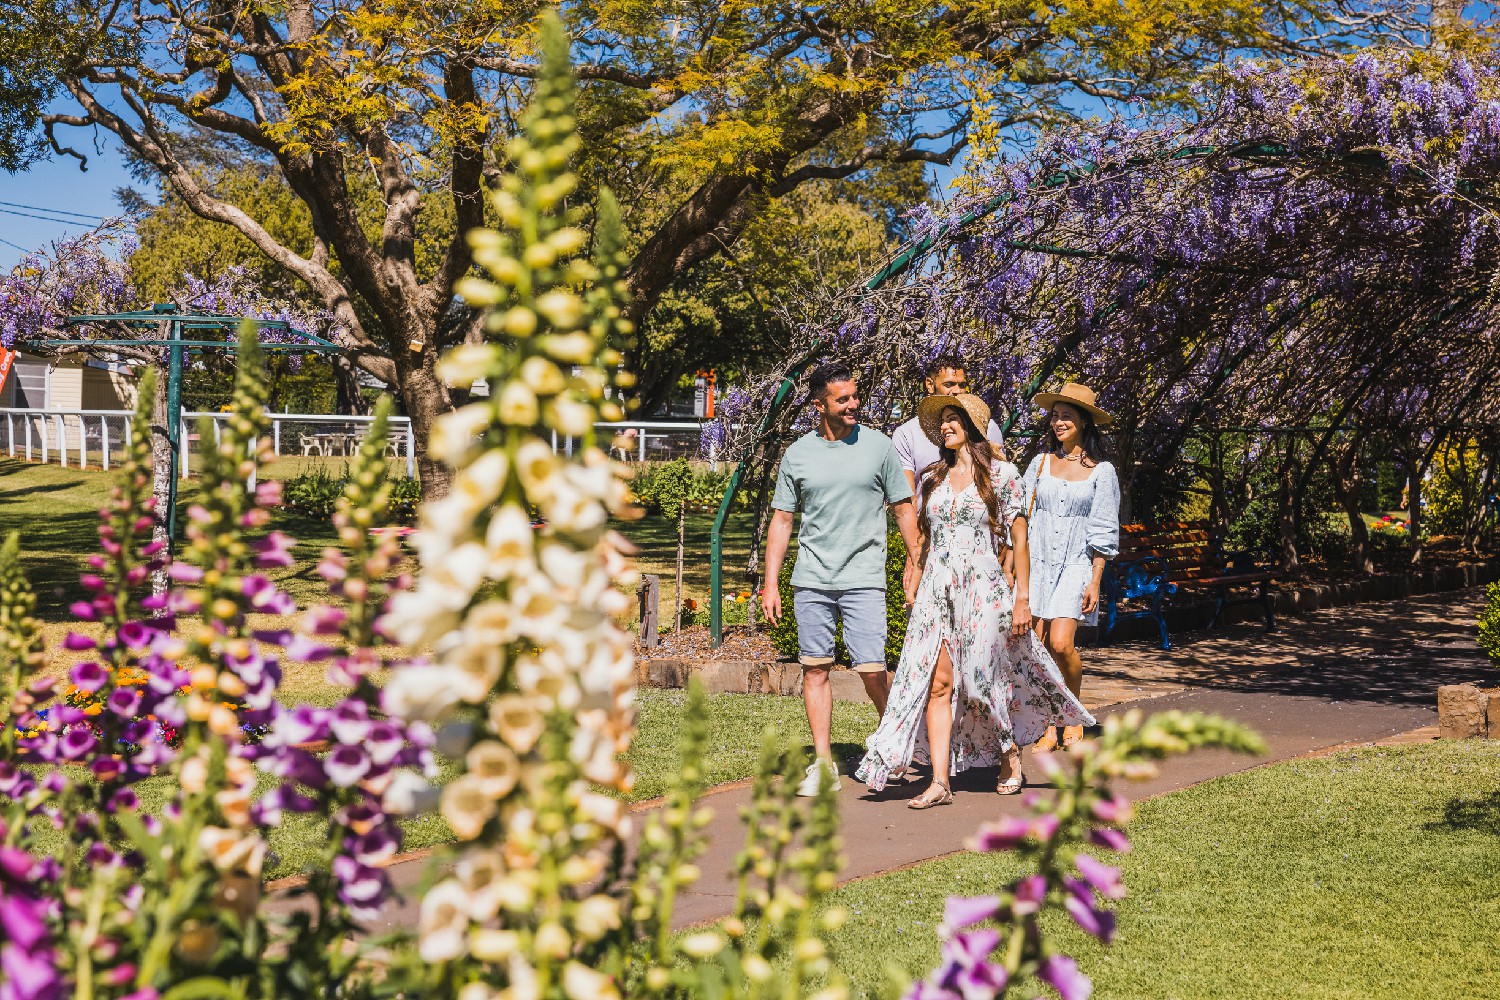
[315, 494]
[665, 487]
[1489, 624]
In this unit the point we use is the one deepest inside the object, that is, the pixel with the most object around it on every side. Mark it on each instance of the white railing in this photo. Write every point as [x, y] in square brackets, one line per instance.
[95, 438]
[309, 434]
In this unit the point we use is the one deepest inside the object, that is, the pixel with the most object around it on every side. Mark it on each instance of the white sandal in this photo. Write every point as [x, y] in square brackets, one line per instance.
[1017, 779]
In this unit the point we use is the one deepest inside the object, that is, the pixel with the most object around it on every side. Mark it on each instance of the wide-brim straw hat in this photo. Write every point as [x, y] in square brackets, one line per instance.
[930, 414]
[1077, 395]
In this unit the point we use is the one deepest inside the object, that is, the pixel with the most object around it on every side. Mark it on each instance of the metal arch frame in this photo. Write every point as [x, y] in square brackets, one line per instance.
[1256, 149]
[177, 350]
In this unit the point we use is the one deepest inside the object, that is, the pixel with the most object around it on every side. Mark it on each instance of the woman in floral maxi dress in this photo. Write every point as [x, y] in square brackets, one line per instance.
[984, 685]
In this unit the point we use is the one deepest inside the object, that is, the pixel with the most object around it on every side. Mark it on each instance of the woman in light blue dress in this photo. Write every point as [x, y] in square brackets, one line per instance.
[1073, 528]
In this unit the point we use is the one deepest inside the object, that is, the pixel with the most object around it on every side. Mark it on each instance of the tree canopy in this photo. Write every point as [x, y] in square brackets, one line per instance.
[1312, 266]
[710, 108]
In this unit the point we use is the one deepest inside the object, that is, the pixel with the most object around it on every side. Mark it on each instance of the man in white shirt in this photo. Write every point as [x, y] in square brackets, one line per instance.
[945, 377]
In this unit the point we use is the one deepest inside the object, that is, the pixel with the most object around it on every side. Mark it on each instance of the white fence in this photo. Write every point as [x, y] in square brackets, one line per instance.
[97, 438]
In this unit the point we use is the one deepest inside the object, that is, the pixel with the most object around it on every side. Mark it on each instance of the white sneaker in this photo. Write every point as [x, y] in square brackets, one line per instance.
[813, 782]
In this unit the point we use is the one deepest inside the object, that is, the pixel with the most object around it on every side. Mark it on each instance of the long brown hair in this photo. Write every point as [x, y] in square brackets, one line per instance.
[980, 456]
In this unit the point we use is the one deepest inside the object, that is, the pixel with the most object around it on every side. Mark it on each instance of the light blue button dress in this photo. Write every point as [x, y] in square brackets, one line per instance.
[1072, 523]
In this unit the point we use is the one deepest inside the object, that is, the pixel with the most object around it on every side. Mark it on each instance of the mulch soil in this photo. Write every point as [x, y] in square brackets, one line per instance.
[740, 643]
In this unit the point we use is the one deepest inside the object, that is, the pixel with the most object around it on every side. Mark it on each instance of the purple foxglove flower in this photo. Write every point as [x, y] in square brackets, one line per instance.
[964, 911]
[100, 856]
[90, 581]
[275, 550]
[135, 635]
[124, 800]
[984, 981]
[67, 715]
[154, 602]
[305, 650]
[924, 990]
[303, 724]
[77, 642]
[1101, 876]
[346, 765]
[1110, 839]
[324, 620]
[124, 701]
[334, 566]
[77, 741]
[268, 493]
[1061, 973]
[22, 920]
[88, 675]
[970, 948]
[106, 768]
[383, 742]
[1114, 809]
[183, 572]
[380, 844]
[27, 974]
[15, 865]
[83, 611]
[1030, 892]
[1098, 922]
[1006, 834]
[1044, 827]
[146, 993]
[350, 721]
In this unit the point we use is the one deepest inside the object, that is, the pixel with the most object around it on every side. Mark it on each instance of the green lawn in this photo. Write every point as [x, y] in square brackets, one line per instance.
[735, 725]
[56, 511]
[1367, 874]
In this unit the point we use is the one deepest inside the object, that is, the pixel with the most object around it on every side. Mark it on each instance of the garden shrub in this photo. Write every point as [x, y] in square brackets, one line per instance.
[1489, 624]
[315, 494]
[784, 632]
[658, 487]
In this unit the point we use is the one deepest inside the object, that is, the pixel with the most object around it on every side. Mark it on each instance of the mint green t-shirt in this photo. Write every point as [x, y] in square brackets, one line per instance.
[841, 488]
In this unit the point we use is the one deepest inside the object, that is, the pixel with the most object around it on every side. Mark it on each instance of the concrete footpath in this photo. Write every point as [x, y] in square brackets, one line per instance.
[1347, 676]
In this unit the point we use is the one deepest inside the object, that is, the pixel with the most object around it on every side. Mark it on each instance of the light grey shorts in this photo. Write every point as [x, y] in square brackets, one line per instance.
[863, 613]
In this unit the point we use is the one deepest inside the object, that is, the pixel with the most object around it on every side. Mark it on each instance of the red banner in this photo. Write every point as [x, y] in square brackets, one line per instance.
[6, 358]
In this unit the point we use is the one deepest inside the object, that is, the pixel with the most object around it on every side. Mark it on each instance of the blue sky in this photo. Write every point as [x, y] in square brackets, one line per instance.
[57, 185]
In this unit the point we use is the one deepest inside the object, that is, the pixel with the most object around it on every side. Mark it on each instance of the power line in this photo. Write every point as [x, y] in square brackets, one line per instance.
[54, 211]
[15, 245]
[46, 218]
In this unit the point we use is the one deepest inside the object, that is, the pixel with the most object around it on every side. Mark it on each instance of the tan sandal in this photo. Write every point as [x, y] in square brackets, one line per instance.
[923, 801]
[1071, 735]
[1017, 779]
[1048, 741]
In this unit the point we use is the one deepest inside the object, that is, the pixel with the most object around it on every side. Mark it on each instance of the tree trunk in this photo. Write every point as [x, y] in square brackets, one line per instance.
[161, 473]
[1348, 481]
[347, 399]
[1414, 513]
[426, 399]
[1286, 519]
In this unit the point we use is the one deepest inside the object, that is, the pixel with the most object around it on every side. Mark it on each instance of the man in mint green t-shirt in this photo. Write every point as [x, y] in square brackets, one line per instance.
[840, 477]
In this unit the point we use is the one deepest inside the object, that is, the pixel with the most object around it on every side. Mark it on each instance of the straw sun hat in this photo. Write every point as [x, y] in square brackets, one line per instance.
[930, 413]
[1077, 395]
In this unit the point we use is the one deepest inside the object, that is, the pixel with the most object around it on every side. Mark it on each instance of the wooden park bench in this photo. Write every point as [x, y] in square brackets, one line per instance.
[1182, 562]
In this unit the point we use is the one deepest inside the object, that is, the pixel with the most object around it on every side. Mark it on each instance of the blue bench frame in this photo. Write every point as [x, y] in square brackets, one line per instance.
[1148, 579]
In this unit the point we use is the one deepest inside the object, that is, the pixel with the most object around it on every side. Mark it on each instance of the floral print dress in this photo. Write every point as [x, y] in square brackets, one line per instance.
[1006, 691]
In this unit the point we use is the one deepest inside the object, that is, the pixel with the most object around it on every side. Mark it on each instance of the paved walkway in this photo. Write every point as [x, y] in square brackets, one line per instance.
[1345, 676]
